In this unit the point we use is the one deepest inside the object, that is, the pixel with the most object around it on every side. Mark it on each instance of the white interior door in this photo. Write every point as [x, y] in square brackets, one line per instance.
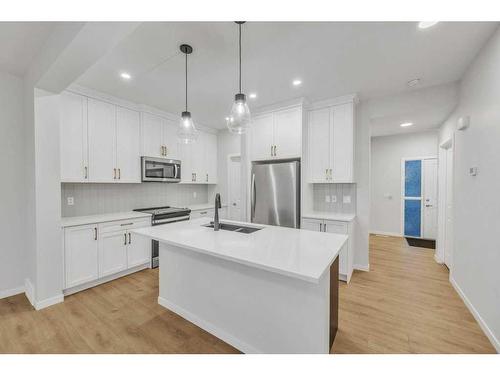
[128, 146]
[234, 188]
[448, 232]
[430, 170]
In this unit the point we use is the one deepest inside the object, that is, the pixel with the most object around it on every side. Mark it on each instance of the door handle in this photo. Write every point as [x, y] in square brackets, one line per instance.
[125, 235]
[254, 196]
[129, 238]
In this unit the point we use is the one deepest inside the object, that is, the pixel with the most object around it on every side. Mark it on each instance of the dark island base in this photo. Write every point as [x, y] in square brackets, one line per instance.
[334, 300]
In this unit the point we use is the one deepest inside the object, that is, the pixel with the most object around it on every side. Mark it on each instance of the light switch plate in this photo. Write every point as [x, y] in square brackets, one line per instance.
[347, 199]
[71, 201]
[334, 199]
[327, 198]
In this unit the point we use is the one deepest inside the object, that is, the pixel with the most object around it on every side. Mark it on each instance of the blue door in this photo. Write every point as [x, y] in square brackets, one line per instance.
[412, 198]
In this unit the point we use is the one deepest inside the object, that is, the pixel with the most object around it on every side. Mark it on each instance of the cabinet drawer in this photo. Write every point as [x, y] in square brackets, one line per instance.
[120, 225]
[337, 227]
[203, 213]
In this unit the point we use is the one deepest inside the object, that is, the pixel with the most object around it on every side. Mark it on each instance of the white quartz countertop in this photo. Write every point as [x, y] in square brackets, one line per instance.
[296, 253]
[328, 216]
[102, 218]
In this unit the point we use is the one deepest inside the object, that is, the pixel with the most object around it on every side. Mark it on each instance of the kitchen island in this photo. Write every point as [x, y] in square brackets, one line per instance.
[271, 291]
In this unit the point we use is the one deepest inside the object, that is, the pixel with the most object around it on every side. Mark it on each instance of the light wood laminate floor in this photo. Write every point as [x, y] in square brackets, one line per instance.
[405, 304]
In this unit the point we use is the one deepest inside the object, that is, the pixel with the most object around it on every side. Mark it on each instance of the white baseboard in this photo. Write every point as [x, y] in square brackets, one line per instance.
[11, 292]
[392, 234]
[49, 302]
[361, 267]
[436, 258]
[489, 334]
[29, 291]
[216, 331]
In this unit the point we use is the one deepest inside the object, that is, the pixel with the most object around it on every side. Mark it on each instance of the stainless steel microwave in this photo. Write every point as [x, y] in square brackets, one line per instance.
[160, 170]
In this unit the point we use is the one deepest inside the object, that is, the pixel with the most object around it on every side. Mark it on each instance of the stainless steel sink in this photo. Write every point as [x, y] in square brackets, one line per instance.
[234, 228]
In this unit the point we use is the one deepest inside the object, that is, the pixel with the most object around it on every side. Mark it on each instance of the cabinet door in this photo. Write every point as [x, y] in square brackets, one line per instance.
[343, 143]
[128, 146]
[73, 133]
[262, 137]
[211, 158]
[288, 133]
[198, 162]
[138, 250]
[80, 255]
[112, 252]
[102, 141]
[170, 140]
[340, 228]
[319, 144]
[152, 136]
[311, 224]
[187, 172]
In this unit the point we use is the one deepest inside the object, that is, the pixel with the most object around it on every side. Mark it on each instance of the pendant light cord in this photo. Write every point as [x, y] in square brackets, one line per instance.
[240, 54]
[186, 82]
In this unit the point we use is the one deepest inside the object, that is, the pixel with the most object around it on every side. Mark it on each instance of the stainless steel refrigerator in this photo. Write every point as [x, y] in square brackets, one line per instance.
[275, 193]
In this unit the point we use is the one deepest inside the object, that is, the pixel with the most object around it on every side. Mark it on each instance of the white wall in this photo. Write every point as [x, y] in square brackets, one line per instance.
[386, 155]
[476, 252]
[12, 186]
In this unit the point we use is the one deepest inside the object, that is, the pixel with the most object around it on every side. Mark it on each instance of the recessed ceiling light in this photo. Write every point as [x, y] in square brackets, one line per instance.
[297, 82]
[406, 124]
[413, 82]
[426, 24]
[252, 95]
[126, 76]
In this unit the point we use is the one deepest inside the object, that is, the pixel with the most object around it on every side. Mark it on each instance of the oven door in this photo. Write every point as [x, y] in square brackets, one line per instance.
[160, 170]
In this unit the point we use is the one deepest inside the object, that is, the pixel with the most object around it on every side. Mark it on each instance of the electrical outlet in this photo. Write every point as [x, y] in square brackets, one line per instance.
[334, 199]
[347, 199]
[194, 194]
[71, 201]
[327, 198]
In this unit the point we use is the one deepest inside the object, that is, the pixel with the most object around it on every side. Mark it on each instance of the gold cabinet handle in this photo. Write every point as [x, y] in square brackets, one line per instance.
[95, 233]
[274, 150]
[125, 235]
[86, 173]
[114, 173]
[119, 173]
[207, 177]
[129, 238]
[166, 151]
[271, 150]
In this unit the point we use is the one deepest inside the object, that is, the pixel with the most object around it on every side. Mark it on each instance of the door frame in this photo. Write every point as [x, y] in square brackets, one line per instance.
[444, 147]
[228, 161]
[402, 198]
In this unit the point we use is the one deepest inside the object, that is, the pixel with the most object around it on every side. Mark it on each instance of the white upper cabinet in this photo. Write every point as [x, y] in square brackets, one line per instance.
[319, 144]
[277, 135]
[152, 135]
[159, 137]
[73, 136]
[262, 137]
[211, 158]
[187, 174]
[102, 141]
[128, 145]
[331, 144]
[288, 133]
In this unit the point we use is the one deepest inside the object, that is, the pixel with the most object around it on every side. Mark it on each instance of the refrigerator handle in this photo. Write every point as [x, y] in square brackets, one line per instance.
[253, 196]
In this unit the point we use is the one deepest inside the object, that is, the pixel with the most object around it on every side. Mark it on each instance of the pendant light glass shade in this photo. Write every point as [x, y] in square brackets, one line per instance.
[187, 132]
[239, 119]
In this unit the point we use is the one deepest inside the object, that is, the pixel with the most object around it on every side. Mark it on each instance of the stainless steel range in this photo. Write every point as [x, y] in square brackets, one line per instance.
[161, 216]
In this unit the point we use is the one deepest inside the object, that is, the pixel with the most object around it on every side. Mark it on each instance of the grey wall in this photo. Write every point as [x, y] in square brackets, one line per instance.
[12, 186]
[321, 191]
[476, 219]
[386, 155]
[90, 199]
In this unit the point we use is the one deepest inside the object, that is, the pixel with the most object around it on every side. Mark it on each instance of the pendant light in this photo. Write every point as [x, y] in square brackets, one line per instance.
[239, 119]
[186, 132]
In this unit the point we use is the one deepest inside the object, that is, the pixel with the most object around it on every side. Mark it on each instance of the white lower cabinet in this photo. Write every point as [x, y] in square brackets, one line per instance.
[338, 227]
[96, 251]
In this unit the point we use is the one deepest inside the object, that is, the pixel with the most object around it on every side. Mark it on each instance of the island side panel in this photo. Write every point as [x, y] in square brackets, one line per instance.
[334, 300]
[256, 311]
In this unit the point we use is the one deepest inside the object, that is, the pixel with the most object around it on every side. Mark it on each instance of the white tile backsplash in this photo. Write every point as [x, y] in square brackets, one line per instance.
[321, 191]
[90, 199]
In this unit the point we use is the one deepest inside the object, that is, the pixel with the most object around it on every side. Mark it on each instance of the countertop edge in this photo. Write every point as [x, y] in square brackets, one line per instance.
[75, 221]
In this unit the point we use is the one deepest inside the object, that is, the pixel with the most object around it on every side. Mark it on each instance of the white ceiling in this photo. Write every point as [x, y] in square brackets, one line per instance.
[332, 59]
[20, 42]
